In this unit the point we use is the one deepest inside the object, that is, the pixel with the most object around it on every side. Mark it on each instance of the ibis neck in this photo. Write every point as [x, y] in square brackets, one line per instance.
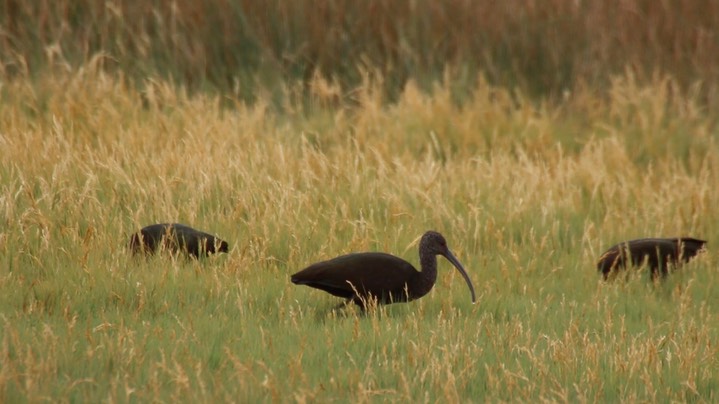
[427, 275]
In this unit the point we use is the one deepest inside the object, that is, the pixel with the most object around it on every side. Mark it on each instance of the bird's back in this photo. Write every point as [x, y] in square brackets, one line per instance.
[658, 253]
[384, 276]
[177, 237]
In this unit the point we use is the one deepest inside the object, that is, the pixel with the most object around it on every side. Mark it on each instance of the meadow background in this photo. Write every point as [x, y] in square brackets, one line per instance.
[533, 135]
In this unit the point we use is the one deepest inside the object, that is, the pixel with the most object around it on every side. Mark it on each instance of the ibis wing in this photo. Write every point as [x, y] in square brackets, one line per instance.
[176, 237]
[658, 251]
[664, 248]
[692, 246]
[345, 276]
[194, 241]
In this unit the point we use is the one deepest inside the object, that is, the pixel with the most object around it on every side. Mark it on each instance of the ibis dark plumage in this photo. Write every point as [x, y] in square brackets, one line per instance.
[362, 278]
[175, 237]
[659, 253]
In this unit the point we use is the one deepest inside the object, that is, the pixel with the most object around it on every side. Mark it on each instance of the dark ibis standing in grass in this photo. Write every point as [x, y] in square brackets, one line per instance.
[659, 253]
[176, 238]
[364, 278]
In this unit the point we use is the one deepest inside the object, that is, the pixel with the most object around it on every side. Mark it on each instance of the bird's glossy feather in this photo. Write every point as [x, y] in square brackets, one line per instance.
[372, 271]
[364, 278]
[657, 252]
[175, 237]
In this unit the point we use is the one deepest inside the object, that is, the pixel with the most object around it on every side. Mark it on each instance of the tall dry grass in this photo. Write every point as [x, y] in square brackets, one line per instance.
[242, 47]
[528, 194]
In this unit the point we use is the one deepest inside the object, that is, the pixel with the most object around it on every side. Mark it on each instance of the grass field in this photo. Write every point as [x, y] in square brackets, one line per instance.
[532, 136]
[528, 194]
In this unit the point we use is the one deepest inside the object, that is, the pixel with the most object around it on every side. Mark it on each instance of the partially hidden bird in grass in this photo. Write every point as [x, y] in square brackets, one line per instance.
[176, 238]
[657, 253]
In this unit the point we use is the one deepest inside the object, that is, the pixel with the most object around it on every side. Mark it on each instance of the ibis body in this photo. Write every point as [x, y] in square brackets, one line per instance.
[362, 278]
[176, 238]
[658, 253]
